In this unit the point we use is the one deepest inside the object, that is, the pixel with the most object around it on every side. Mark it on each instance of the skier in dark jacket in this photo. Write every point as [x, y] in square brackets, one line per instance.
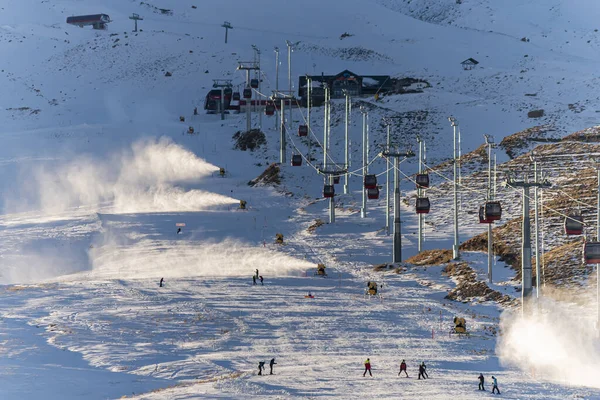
[261, 279]
[271, 365]
[422, 372]
[161, 282]
[254, 279]
[261, 366]
[481, 380]
[403, 368]
[425, 370]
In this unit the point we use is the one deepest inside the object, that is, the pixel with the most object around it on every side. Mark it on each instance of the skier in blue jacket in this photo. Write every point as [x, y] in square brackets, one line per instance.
[495, 385]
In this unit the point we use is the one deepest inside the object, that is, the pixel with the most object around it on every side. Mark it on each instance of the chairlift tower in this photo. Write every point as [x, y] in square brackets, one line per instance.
[526, 284]
[248, 66]
[290, 46]
[347, 109]
[135, 17]
[455, 252]
[282, 98]
[227, 27]
[257, 55]
[222, 84]
[395, 153]
[420, 190]
[489, 141]
[331, 170]
[365, 166]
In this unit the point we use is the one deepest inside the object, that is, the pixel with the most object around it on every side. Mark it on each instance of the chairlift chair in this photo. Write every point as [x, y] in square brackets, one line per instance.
[302, 130]
[236, 96]
[328, 191]
[247, 93]
[422, 205]
[591, 252]
[269, 109]
[422, 180]
[336, 179]
[493, 211]
[574, 225]
[373, 193]
[370, 181]
[296, 160]
[254, 83]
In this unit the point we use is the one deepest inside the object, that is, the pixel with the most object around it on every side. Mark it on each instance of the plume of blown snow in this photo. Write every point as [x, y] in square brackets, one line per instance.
[558, 342]
[141, 179]
[145, 259]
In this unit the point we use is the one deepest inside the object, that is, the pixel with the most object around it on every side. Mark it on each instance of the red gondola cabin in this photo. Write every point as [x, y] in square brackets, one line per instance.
[370, 181]
[373, 193]
[574, 225]
[296, 160]
[422, 180]
[302, 130]
[328, 191]
[422, 205]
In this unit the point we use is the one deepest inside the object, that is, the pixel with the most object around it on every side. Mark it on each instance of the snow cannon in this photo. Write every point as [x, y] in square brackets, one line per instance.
[321, 270]
[372, 288]
[279, 238]
[460, 325]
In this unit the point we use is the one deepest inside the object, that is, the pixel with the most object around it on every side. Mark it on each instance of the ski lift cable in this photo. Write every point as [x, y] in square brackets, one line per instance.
[316, 168]
[354, 173]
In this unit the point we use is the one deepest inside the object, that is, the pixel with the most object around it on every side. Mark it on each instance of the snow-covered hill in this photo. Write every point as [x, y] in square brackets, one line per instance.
[98, 173]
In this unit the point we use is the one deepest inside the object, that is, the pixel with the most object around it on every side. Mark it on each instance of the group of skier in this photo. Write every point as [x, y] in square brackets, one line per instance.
[257, 276]
[261, 366]
[403, 368]
[494, 384]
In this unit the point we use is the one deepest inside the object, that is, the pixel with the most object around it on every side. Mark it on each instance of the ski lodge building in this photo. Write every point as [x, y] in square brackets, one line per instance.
[98, 21]
[355, 85]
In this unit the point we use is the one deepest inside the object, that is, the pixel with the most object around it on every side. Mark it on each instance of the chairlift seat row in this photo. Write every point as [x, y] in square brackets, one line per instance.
[236, 96]
[247, 93]
[574, 225]
[336, 179]
[254, 83]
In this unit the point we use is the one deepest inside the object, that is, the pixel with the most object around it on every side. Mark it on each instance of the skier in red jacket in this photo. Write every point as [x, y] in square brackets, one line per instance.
[367, 367]
[403, 368]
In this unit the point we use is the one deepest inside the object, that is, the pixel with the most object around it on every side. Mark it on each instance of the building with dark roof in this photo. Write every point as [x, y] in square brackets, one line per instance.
[355, 85]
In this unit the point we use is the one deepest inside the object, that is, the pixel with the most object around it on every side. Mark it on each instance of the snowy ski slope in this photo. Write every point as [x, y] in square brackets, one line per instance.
[97, 171]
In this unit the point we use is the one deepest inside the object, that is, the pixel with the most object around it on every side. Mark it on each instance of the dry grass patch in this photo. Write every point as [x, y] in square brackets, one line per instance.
[431, 257]
[318, 222]
[271, 176]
